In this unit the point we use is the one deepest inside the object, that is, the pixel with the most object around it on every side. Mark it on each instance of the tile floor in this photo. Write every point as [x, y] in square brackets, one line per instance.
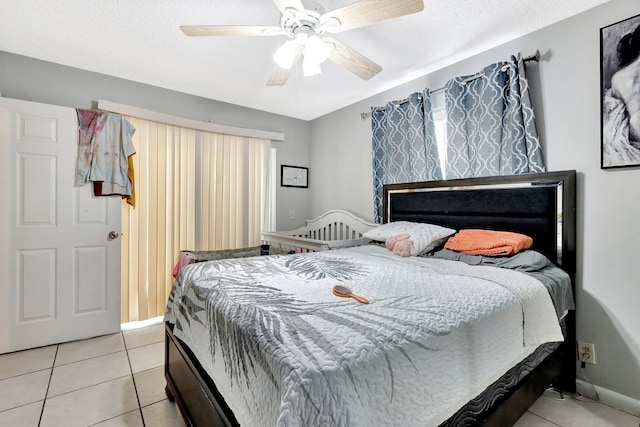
[548, 411]
[113, 380]
[118, 380]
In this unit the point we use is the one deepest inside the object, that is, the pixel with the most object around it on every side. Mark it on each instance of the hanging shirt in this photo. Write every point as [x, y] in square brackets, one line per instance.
[105, 148]
[112, 146]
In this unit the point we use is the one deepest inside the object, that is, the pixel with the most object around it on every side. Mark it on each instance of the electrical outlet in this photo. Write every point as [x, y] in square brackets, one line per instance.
[292, 214]
[587, 352]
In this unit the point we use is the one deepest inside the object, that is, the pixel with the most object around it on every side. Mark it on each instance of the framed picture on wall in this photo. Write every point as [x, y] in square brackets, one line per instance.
[294, 176]
[620, 93]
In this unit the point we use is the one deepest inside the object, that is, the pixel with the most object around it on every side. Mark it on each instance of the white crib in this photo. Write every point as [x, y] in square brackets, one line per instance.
[332, 230]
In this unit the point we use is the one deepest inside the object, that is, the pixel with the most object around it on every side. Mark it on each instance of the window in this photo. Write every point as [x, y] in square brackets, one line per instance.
[440, 123]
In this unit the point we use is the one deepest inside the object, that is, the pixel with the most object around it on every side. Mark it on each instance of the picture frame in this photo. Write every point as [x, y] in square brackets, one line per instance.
[620, 94]
[294, 176]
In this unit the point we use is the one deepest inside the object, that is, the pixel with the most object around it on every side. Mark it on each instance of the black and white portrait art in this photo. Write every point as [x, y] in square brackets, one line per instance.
[620, 79]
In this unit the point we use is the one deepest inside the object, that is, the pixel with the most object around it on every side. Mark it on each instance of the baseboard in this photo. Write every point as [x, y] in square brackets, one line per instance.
[609, 397]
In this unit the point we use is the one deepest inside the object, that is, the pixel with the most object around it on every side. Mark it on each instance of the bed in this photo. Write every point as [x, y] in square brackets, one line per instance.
[333, 229]
[539, 205]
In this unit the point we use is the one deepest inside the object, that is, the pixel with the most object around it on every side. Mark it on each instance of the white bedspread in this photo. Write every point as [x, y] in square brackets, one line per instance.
[284, 351]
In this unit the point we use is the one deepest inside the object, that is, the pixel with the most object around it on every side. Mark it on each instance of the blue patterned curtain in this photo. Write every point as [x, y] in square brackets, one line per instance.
[404, 145]
[491, 128]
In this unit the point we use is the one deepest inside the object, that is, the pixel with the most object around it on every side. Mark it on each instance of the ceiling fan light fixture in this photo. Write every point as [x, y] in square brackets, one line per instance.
[286, 54]
[304, 26]
[317, 50]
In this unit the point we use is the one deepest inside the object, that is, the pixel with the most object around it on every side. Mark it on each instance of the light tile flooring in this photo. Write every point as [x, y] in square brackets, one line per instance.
[118, 380]
[548, 411]
[108, 381]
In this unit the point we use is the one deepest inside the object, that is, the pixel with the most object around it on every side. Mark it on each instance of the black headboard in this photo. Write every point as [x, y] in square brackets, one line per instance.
[540, 205]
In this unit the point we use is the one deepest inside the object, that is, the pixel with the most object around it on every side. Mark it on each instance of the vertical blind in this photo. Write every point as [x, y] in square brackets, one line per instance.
[195, 190]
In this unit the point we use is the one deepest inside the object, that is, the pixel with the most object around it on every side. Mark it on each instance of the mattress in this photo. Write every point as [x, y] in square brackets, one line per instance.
[283, 350]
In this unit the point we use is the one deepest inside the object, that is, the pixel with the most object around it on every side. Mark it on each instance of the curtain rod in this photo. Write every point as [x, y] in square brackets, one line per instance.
[535, 57]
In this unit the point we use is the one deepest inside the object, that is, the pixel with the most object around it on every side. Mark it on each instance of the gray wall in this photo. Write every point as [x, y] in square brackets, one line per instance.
[565, 90]
[38, 81]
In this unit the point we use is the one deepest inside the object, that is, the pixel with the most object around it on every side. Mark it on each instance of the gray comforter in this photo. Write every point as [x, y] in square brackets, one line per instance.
[283, 350]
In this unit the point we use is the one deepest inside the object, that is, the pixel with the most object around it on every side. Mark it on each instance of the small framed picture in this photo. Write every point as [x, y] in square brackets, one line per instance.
[620, 93]
[294, 176]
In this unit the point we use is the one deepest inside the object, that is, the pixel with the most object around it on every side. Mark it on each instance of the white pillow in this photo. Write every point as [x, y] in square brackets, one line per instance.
[425, 236]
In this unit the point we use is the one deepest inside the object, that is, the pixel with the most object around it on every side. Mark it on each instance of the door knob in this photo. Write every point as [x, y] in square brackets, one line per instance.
[113, 235]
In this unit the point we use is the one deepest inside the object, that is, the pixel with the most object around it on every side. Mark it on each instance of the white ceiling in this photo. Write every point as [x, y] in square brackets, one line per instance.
[141, 40]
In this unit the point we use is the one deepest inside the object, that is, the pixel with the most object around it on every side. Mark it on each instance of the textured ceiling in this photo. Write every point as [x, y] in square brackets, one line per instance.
[140, 40]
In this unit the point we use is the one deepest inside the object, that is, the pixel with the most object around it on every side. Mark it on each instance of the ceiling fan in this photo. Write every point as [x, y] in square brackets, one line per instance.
[303, 27]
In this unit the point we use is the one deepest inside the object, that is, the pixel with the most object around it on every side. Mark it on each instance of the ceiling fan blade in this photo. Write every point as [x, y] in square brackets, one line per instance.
[367, 12]
[352, 60]
[283, 5]
[231, 30]
[279, 75]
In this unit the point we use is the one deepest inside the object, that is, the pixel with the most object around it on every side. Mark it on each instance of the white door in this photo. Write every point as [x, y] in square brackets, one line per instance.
[59, 269]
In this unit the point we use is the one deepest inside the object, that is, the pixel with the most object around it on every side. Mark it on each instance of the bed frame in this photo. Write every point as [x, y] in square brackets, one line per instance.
[333, 229]
[540, 205]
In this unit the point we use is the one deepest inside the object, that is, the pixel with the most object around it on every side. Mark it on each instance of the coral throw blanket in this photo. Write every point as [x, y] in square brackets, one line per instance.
[488, 242]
